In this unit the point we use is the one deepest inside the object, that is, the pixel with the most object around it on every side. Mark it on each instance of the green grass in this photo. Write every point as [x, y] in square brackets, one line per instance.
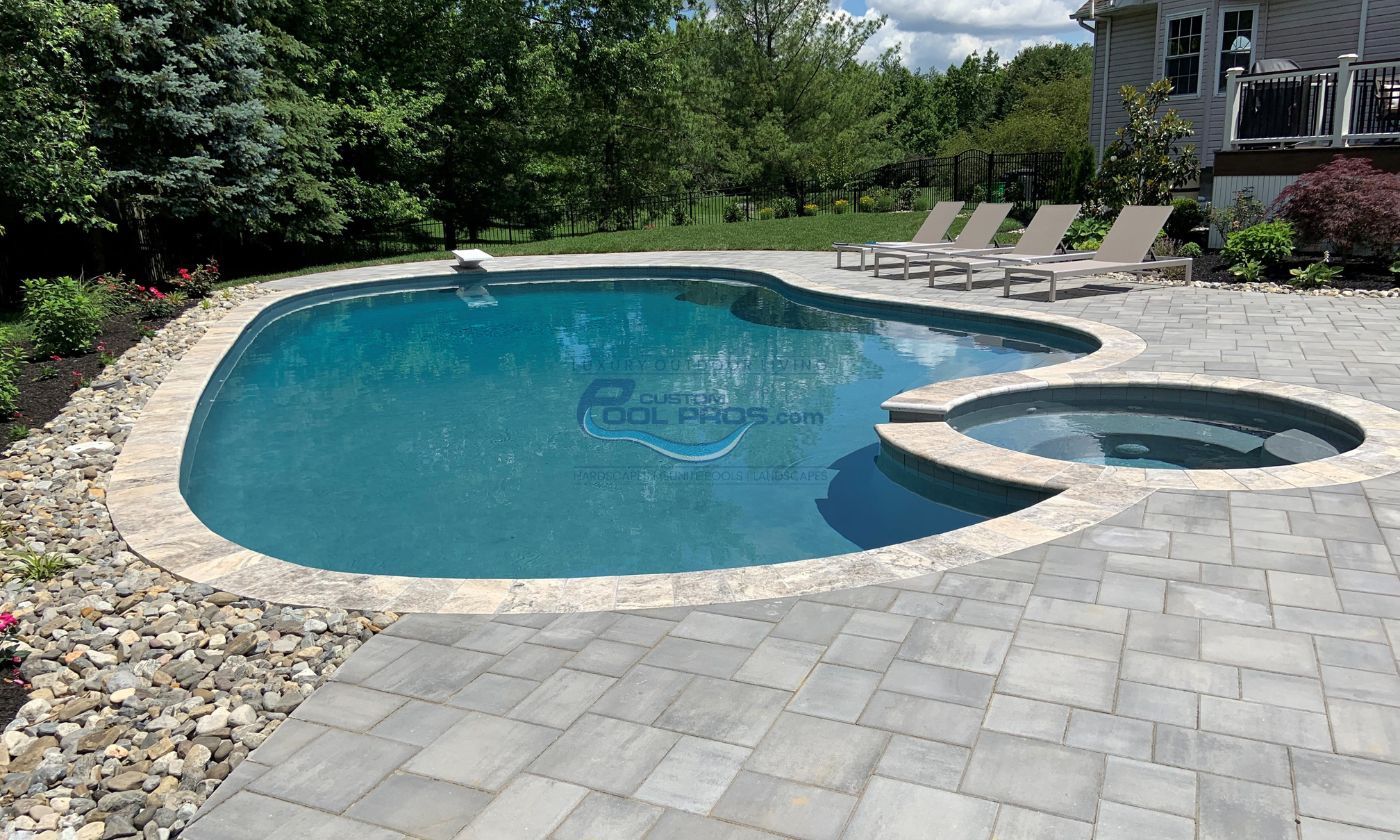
[809, 233]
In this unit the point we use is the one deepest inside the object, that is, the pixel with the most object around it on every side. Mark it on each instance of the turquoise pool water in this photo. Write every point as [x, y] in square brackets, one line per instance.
[566, 429]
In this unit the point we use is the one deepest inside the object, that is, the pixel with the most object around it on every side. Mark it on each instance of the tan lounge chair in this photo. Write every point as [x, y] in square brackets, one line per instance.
[975, 238]
[934, 231]
[1126, 248]
[1040, 243]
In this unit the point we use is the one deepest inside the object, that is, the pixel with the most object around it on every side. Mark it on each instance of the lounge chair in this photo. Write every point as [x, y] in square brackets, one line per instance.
[975, 238]
[933, 231]
[1127, 247]
[1041, 243]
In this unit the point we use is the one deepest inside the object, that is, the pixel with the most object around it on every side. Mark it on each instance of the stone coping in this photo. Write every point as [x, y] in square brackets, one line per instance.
[150, 512]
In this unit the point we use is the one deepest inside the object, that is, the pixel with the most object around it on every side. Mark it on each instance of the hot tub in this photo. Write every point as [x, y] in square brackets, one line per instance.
[1157, 427]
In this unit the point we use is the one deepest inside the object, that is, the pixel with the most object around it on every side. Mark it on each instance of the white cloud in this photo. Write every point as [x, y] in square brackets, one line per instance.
[937, 33]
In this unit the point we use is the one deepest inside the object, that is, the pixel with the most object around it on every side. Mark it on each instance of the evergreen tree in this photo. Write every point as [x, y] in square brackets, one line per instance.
[183, 131]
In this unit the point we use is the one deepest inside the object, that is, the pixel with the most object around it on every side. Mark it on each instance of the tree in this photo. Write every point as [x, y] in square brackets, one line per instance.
[1348, 203]
[786, 67]
[183, 132]
[49, 165]
[1144, 164]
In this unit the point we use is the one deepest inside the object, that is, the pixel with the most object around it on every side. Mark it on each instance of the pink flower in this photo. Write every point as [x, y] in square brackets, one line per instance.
[156, 293]
[55, 358]
[7, 621]
[185, 273]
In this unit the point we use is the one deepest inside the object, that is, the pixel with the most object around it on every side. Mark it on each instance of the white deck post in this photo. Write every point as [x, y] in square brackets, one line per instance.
[1341, 107]
[1232, 106]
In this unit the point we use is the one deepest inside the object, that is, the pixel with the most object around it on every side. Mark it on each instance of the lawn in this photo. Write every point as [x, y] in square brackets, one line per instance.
[810, 233]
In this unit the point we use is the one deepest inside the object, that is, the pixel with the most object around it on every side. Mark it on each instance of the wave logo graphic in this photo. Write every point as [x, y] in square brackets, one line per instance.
[609, 393]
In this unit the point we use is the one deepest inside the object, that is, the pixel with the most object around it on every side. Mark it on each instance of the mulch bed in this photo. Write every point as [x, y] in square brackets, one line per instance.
[1210, 268]
[12, 697]
[45, 385]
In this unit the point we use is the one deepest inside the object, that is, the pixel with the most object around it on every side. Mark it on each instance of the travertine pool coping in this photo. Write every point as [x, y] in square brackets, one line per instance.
[148, 509]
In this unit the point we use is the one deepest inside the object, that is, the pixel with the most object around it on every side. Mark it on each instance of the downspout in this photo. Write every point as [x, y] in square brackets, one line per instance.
[1361, 31]
[1103, 102]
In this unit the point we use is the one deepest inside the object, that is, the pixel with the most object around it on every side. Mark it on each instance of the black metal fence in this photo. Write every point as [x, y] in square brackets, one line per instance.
[1289, 107]
[1375, 106]
[1026, 179]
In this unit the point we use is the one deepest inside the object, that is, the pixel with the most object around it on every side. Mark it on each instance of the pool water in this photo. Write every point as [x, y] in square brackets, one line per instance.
[567, 429]
[1136, 430]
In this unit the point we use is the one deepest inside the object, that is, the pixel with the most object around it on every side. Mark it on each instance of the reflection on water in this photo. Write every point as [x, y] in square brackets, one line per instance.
[413, 433]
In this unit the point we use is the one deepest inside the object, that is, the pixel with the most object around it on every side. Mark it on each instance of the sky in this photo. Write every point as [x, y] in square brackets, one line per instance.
[936, 33]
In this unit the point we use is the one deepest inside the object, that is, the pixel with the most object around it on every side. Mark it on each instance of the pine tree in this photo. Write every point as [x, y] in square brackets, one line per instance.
[183, 131]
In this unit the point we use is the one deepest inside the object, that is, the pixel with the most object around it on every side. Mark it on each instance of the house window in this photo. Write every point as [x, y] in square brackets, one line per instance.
[1236, 41]
[1183, 65]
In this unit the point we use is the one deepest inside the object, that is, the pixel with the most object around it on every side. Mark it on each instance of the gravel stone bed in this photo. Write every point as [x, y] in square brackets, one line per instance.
[147, 690]
[1275, 288]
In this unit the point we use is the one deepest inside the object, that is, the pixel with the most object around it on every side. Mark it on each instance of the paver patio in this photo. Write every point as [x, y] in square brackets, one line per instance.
[1204, 665]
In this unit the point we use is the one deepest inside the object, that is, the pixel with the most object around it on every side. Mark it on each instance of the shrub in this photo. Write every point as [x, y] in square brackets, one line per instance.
[155, 304]
[785, 207]
[118, 292]
[10, 360]
[1187, 215]
[1086, 233]
[921, 204]
[1244, 211]
[1317, 274]
[765, 213]
[884, 203]
[1249, 271]
[63, 315]
[1165, 246]
[809, 209]
[196, 283]
[1348, 203]
[733, 212]
[904, 197]
[867, 203]
[1266, 242]
[1147, 161]
[541, 234]
[1190, 249]
[840, 206]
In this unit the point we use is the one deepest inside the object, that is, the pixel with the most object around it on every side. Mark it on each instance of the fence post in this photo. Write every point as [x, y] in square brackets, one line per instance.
[1232, 106]
[1341, 114]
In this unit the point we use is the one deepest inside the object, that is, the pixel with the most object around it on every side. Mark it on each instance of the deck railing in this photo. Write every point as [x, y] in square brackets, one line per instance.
[1353, 102]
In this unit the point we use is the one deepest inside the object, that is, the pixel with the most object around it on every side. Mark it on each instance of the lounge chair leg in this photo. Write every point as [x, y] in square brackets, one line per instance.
[877, 264]
[906, 269]
[838, 259]
[1006, 287]
[967, 286]
[862, 259]
[1188, 272]
[1052, 288]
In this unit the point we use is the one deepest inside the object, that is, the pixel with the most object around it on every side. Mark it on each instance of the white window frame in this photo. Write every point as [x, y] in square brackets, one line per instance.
[1220, 48]
[1200, 57]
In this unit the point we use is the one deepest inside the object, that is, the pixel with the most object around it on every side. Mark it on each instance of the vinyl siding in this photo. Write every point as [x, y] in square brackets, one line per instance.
[1313, 37]
[1133, 40]
[1382, 31]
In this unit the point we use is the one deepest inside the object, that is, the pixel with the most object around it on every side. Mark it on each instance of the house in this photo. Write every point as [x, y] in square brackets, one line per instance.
[1314, 79]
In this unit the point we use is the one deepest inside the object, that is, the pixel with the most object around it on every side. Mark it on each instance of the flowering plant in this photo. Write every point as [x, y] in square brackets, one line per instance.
[9, 640]
[198, 282]
[154, 303]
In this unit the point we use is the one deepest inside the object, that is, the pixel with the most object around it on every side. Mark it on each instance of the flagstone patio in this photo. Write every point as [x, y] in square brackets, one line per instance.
[1203, 665]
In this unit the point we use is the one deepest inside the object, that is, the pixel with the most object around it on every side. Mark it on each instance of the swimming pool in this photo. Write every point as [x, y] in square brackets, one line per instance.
[540, 427]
